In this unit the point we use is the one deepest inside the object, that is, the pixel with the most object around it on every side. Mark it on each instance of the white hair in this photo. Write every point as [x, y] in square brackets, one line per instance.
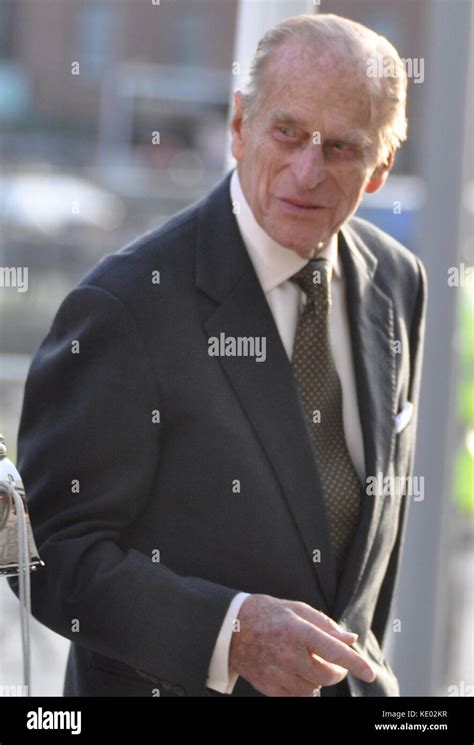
[356, 46]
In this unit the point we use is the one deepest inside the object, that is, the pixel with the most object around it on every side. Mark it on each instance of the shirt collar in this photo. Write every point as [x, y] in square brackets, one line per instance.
[273, 263]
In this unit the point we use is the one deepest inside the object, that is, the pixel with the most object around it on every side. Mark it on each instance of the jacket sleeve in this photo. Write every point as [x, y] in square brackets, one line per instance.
[88, 450]
[417, 334]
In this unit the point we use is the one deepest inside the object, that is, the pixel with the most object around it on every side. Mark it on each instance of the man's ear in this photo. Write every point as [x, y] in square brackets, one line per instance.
[236, 126]
[379, 175]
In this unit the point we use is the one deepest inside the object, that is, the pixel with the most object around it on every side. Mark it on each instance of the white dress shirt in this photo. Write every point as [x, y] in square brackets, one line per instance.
[274, 265]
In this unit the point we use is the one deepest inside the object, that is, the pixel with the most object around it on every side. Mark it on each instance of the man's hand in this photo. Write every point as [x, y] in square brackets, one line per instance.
[287, 648]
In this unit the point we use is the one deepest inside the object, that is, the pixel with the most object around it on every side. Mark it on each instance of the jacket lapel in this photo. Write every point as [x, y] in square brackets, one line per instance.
[372, 335]
[266, 390]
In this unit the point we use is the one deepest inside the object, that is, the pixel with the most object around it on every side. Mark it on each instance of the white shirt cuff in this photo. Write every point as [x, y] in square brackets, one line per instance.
[221, 677]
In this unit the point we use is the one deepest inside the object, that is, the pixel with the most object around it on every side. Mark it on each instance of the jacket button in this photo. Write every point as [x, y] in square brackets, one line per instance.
[166, 685]
[178, 690]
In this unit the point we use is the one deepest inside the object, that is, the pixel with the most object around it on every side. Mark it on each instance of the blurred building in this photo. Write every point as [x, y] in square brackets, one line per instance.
[161, 66]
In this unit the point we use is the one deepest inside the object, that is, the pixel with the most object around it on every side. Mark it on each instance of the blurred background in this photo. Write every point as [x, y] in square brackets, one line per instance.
[114, 115]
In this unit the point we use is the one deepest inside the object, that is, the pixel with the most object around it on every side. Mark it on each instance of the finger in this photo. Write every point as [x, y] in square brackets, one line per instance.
[324, 622]
[332, 650]
[319, 672]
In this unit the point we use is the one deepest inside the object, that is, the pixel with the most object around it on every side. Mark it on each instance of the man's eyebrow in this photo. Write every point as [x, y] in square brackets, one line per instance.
[279, 114]
[355, 136]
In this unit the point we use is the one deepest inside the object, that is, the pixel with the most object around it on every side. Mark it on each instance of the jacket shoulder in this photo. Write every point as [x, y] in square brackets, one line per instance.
[167, 247]
[391, 253]
[400, 274]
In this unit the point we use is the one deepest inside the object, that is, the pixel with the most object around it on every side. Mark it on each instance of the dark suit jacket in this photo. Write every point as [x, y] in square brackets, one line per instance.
[108, 484]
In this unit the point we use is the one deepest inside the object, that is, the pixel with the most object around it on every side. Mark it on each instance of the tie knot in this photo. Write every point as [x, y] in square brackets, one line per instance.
[314, 278]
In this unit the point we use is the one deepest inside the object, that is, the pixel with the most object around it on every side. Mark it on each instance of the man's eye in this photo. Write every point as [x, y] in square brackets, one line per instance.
[287, 131]
[341, 146]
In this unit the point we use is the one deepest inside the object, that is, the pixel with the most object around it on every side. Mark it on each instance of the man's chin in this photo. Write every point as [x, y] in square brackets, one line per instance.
[304, 247]
[306, 251]
[303, 243]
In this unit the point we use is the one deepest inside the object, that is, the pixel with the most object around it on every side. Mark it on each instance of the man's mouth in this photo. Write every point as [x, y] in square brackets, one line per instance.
[300, 206]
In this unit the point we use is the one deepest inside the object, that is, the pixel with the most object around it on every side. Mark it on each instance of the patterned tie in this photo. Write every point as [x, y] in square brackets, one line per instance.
[321, 395]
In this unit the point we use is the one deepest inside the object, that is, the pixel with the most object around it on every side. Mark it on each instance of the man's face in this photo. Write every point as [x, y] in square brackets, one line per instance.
[303, 158]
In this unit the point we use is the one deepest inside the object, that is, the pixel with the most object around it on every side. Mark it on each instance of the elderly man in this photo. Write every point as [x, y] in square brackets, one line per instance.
[203, 418]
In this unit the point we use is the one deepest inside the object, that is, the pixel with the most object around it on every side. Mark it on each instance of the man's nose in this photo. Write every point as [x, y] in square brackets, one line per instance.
[309, 166]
